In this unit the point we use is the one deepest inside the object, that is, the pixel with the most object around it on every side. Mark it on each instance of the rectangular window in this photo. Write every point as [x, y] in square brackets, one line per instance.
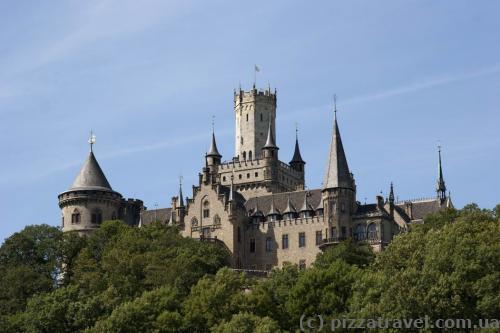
[319, 237]
[269, 244]
[302, 239]
[206, 213]
[284, 242]
[252, 245]
[302, 264]
[344, 232]
[256, 174]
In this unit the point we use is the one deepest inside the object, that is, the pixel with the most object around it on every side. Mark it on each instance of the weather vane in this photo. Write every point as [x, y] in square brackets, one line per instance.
[296, 130]
[213, 123]
[91, 139]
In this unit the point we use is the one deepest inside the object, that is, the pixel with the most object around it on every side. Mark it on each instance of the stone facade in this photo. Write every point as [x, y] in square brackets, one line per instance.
[256, 205]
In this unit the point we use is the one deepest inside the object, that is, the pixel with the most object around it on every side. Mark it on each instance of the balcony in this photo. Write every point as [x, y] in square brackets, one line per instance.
[325, 243]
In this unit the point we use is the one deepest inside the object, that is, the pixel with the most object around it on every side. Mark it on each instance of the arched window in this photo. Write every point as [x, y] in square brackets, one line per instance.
[245, 155]
[261, 117]
[250, 155]
[206, 209]
[359, 232]
[96, 216]
[75, 216]
[372, 232]
[216, 220]
[194, 222]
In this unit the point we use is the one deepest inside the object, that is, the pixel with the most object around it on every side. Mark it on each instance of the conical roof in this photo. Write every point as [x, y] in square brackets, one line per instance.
[213, 148]
[91, 176]
[337, 172]
[270, 143]
[297, 158]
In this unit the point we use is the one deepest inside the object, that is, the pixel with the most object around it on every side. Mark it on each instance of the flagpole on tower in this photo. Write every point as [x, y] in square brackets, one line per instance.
[256, 69]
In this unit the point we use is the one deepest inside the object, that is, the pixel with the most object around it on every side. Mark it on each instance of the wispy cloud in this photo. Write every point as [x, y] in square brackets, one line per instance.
[405, 89]
[423, 84]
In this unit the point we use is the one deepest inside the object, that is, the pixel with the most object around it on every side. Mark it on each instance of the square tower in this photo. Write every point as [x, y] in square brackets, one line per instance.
[254, 110]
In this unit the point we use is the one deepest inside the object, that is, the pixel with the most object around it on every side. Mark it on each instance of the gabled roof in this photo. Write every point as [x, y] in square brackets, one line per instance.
[91, 176]
[337, 172]
[280, 200]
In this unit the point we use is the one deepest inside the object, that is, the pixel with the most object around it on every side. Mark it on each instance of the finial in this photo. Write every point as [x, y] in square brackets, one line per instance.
[213, 123]
[296, 131]
[335, 105]
[91, 139]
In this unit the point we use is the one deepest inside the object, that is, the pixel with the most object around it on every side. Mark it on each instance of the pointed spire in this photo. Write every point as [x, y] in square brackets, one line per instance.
[270, 143]
[305, 206]
[337, 172]
[213, 151]
[391, 194]
[91, 175]
[289, 207]
[181, 198]
[297, 158]
[272, 210]
[441, 187]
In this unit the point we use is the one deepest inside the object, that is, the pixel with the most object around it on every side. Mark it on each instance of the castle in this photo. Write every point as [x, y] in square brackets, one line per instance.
[256, 205]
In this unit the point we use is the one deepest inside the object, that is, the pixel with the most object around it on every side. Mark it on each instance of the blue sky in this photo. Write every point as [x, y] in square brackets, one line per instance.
[147, 76]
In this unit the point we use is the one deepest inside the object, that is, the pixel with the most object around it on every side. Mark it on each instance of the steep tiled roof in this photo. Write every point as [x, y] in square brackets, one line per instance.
[281, 199]
[91, 176]
[161, 215]
[422, 208]
[337, 172]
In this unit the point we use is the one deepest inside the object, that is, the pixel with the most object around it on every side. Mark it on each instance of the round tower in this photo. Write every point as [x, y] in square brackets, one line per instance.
[90, 200]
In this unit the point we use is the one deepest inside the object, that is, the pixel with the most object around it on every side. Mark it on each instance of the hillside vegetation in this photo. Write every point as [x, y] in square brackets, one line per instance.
[124, 279]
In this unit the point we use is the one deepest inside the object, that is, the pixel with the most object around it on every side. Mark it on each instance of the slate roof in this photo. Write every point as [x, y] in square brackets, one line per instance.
[270, 142]
[91, 176]
[422, 208]
[161, 215]
[297, 158]
[281, 200]
[213, 148]
[337, 171]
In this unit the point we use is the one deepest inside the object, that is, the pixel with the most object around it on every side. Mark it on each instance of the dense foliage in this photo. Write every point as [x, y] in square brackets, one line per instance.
[123, 279]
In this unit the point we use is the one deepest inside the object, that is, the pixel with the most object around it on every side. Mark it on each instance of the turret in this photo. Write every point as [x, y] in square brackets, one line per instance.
[440, 186]
[213, 156]
[253, 109]
[270, 150]
[297, 162]
[339, 190]
[90, 200]
[181, 209]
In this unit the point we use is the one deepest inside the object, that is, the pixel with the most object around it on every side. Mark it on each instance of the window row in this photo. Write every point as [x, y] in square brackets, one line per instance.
[240, 176]
[95, 217]
[269, 245]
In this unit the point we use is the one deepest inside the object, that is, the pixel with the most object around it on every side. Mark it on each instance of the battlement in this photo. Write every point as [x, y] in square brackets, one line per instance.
[266, 95]
[264, 226]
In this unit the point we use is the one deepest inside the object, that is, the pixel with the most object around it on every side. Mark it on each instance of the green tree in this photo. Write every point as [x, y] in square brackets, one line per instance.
[29, 264]
[247, 323]
[153, 311]
[214, 299]
[269, 296]
[360, 255]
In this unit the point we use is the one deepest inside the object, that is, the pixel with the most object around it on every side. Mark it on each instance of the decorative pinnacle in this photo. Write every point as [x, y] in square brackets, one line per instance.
[335, 105]
[296, 131]
[91, 140]
[213, 123]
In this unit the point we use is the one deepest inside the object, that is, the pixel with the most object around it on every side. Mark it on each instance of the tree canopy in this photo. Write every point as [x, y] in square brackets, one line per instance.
[151, 279]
